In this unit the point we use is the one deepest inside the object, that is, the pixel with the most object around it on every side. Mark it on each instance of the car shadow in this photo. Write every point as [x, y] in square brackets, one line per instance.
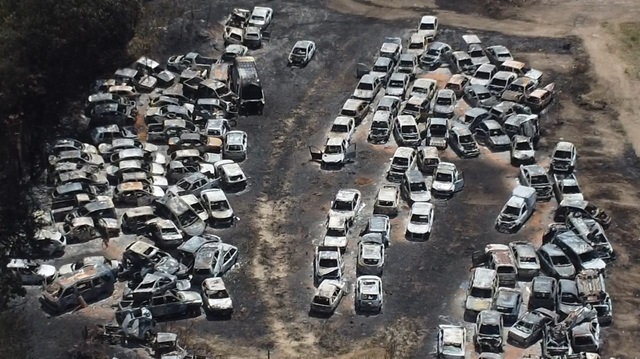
[317, 315]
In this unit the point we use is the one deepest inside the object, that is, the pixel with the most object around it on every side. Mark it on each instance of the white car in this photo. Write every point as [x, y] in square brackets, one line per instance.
[337, 230]
[522, 151]
[343, 127]
[369, 295]
[451, 342]
[428, 27]
[447, 180]
[346, 204]
[425, 88]
[370, 255]
[327, 296]
[420, 221]
[328, 263]
[217, 205]
[261, 17]
[417, 44]
[483, 75]
[235, 146]
[302, 53]
[215, 298]
[387, 201]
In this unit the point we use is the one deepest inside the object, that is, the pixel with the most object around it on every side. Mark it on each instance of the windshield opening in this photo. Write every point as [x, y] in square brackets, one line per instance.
[490, 329]
[365, 86]
[495, 132]
[328, 263]
[560, 260]
[416, 45]
[420, 218]
[542, 179]
[395, 84]
[336, 232]
[409, 129]
[483, 75]
[342, 206]
[427, 26]
[333, 150]
[523, 146]
[483, 95]
[465, 139]
[340, 128]
[465, 62]
[511, 211]
[444, 101]
[499, 82]
[588, 256]
[572, 189]
[562, 154]
[444, 177]
[418, 186]
[400, 161]
[481, 292]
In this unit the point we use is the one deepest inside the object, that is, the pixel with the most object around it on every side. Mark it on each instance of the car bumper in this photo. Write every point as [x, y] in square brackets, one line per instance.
[367, 306]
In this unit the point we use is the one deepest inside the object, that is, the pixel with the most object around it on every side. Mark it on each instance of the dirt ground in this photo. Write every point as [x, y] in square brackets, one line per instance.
[283, 212]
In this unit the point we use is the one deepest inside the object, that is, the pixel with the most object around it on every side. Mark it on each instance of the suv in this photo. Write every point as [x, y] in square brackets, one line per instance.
[488, 336]
[92, 283]
[387, 201]
[414, 188]
[367, 89]
[499, 258]
[406, 131]
[358, 109]
[581, 254]
[482, 287]
[403, 160]
[535, 176]
[564, 157]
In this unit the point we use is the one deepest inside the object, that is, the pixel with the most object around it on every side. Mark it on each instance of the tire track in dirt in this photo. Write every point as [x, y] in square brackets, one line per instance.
[274, 211]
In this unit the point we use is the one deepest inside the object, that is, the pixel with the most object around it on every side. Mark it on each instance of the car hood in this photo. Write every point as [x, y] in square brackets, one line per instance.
[332, 158]
[192, 297]
[442, 186]
[65, 269]
[363, 94]
[424, 196]
[524, 154]
[157, 169]
[443, 108]
[394, 91]
[160, 181]
[220, 304]
[597, 264]
[195, 229]
[511, 95]
[418, 228]
[328, 271]
[477, 304]
[332, 241]
[573, 197]
[223, 214]
[346, 214]
[566, 272]
[46, 271]
[500, 140]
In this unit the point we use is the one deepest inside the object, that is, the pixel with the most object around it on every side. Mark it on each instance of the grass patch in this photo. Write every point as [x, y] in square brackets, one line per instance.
[628, 34]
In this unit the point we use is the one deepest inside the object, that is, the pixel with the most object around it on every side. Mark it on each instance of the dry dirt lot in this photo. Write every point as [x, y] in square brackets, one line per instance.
[282, 214]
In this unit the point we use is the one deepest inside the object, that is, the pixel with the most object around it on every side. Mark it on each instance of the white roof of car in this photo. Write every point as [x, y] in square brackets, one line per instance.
[233, 169]
[429, 19]
[564, 146]
[369, 284]
[425, 83]
[213, 284]
[303, 43]
[352, 104]
[422, 208]
[327, 287]
[334, 141]
[439, 121]
[371, 251]
[398, 76]
[347, 195]
[417, 38]
[405, 152]
[235, 137]
[388, 193]
[405, 120]
[336, 222]
[389, 47]
[452, 334]
[214, 194]
[445, 93]
[382, 116]
[343, 120]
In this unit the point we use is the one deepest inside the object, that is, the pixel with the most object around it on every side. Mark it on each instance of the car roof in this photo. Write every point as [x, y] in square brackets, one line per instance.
[347, 194]
[382, 61]
[343, 120]
[457, 79]
[552, 249]
[378, 220]
[521, 138]
[564, 146]
[421, 208]
[452, 334]
[439, 121]
[213, 284]
[415, 37]
[405, 120]
[416, 101]
[513, 63]
[403, 152]
[232, 169]
[398, 76]
[445, 93]
[214, 194]
[542, 284]
[389, 47]
[461, 130]
[507, 296]
[524, 249]
[478, 89]
[334, 141]
[352, 104]
[483, 277]
[498, 48]
[139, 211]
[261, 10]
[487, 67]
[387, 193]
[567, 286]
[492, 124]
[368, 78]
[535, 170]
[336, 222]
[446, 167]
[414, 175]
[572, 240]
[428, 19]
[475, 112]
[460, 55]
[381, 116]
[490, 317]
[303, 43]
[505, 75]
[407, 57]
[538, 93]
[523, 81]
[424, 82]
[369, 284]
[438, 45]
[326, 288]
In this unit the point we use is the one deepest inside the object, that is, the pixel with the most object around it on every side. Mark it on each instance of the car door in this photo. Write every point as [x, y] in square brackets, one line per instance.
[316, 153]
[459, 181]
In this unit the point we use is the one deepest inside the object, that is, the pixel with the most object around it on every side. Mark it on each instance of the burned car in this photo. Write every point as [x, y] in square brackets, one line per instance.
[218, 207]
[214, 259]
[92, 283]
[172, 303]
[139, 255]
[336, 233]
[70, 144]
[480, 292]
[368, 294]
[134, 220]
[232, 178]
[31, 272]
[174, 208]
[327, 296]
[517, 210]
[370, 259]
[528, 329]
[407, 131]
[164, 232]
[554, 262]
[566, 188]
[380, 129]
[387, 201]
[438, 53]
[337, 152]
[437, 132]
[535, 176]
[302, 53]
[463, 143]
[451, 342]
[590, 231]
[328, 263]
[447, 180]
[488, 333]
[90, 261]
[444, 103]
[584, 209]
[491, 134]
[420, 223]
[136, 193]
[346, 204]
[522, 151]
[414, 188]
[526, 259]
[564, 157]
[379, 223]
[508, 302]
[216, 298]
[543, 293]
[479, 96]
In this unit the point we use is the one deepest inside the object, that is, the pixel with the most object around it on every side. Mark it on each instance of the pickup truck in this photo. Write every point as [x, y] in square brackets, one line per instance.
[337, 152]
